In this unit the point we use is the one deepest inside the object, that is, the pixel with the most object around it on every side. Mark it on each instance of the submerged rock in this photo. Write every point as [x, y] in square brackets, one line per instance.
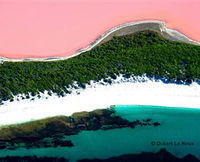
[50, 132]
[161, 156]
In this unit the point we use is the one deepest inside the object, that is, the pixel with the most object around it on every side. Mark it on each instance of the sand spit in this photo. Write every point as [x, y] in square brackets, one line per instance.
[123, 29]
[122, 92]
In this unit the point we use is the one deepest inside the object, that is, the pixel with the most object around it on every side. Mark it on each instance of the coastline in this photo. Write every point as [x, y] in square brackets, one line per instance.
[154, 25]
[97, 96]
[142, 136]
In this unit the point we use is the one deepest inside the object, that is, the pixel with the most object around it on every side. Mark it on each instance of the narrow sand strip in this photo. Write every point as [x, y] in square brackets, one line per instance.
[102, 96]
[155, 25]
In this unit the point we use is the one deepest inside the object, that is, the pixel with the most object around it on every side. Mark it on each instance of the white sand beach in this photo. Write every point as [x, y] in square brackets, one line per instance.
[97, 96]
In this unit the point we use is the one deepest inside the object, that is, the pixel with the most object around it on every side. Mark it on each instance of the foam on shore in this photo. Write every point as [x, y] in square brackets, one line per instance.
[95, 96]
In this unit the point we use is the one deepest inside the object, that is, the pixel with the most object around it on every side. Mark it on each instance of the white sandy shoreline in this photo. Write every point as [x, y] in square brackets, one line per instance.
[98, 96]
[163, 28]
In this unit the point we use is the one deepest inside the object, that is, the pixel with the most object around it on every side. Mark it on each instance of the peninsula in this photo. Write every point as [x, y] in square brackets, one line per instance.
[121, 30]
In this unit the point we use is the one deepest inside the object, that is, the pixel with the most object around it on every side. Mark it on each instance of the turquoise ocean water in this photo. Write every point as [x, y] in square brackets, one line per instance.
[179, 133]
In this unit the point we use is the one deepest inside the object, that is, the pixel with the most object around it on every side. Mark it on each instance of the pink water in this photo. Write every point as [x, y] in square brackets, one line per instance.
[45, 28]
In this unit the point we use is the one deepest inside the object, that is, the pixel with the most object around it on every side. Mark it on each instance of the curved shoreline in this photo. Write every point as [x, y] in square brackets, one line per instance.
[98, 96]
[123, 29]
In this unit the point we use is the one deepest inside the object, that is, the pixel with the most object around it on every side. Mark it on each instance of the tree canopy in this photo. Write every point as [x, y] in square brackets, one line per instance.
[141, 53]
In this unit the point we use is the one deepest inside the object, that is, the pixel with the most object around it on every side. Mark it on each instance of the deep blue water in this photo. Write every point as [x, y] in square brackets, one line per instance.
[177, 125]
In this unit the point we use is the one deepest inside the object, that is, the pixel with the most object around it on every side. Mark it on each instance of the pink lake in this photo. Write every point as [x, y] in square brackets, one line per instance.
[50, 28]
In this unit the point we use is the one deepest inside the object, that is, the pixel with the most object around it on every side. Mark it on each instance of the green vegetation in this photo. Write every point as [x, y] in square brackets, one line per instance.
[51, 132]
[68, 125]
[137, 54]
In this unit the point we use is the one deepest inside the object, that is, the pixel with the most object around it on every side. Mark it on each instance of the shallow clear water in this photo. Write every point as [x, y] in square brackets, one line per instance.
[177, 125]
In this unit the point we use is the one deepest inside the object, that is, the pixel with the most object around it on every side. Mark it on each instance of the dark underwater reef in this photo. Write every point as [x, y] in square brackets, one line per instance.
[160, 156]
[51, 132]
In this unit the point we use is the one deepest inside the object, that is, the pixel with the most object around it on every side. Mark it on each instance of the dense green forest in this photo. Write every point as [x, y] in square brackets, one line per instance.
[141, 53]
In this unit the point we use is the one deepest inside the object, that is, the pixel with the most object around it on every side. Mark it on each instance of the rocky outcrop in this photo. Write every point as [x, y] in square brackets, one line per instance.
[161, 156]
[51, 132]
